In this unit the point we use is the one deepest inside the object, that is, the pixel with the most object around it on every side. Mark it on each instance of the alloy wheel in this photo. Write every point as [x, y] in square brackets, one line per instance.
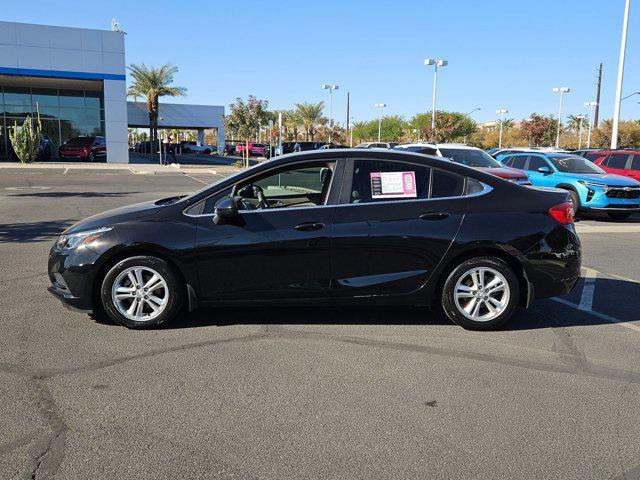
[481, 294]
[140, 293]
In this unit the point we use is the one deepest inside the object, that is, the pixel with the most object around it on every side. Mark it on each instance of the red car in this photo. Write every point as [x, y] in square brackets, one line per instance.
[84, 148]
[620, 162]
[258, 149]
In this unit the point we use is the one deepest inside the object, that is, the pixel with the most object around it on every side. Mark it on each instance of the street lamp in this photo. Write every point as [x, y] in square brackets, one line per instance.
[623, 49]
[561, 91]
[380, 106]
[630, 95]
[501, 112]
[474, 110]
[580, 119]
[436, 64]
[331, 88]
[591, 106]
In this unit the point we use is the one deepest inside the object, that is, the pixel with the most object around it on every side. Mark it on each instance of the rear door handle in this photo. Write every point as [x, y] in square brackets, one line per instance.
[309, 226]
[433, 216]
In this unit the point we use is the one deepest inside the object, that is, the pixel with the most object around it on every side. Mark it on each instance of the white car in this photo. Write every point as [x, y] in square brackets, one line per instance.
[386, 145]
[189, 146]
[470, 156]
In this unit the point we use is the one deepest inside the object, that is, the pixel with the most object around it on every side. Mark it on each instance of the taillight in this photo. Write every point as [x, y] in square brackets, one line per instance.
[563, 213]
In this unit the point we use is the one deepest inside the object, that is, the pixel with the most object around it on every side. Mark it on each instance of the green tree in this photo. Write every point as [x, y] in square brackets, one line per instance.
[539, 130]
[392, 129]
[153, 83]
[309, 116]
[245, 119]
[25, 139]
[450, 126]
[575, 122]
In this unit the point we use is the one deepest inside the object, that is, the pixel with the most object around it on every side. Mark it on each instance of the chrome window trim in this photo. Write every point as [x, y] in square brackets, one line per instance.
[485, 189]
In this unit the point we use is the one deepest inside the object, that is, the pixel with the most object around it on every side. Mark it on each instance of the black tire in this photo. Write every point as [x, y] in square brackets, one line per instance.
[448, 290]
[92, 157]
[207, 152]
[574, 198]
[175, 288]
[619, 215]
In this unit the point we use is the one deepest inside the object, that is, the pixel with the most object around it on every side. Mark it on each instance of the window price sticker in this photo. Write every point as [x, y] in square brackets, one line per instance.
[393, 185]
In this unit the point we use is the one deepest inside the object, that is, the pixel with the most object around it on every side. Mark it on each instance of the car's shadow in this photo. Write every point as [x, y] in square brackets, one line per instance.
[617, 299]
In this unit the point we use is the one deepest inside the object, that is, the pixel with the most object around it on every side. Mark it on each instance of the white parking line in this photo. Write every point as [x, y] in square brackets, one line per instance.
[632, 228]
[601, 316]
[196, 179]
[586, 301]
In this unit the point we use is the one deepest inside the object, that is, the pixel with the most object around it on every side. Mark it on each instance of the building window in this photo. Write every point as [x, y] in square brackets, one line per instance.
[64, 114]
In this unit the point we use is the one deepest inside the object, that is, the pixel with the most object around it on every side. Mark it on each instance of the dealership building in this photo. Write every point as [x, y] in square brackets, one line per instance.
[76, 78]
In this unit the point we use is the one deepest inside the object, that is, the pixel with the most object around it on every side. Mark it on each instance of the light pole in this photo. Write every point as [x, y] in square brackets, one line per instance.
[561, 91]
[580, 119]
[436, 64]
[331, 88]
[501, 112]
[380, 106]
[464, 140]
[591, 105]
[623, 48]
[630, 95]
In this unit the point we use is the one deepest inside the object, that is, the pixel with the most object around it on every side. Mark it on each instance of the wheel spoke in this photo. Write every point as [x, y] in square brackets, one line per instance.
[476, 308]
[122, 296]
[496, 302]
[471, 305]
[139, 278]
[152, 305]
[125, 290]
[132, 279]
[132, 307]
[481, 276]
[156, 300]
[492, 310]
[475, 280]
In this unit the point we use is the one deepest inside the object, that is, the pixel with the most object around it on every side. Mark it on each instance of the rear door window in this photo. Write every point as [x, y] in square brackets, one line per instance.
[635, 162]
[519, 161]
[617, 160]
[379, 180]
[445, 184]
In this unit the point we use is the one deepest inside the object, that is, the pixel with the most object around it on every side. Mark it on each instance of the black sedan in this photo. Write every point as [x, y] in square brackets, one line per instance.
[329, 226]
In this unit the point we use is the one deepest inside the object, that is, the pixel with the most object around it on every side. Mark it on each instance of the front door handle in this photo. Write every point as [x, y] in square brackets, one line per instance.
[433, 216]
[309, 226]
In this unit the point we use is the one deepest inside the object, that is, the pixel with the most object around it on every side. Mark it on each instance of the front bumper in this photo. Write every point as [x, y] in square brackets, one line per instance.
[72, 275]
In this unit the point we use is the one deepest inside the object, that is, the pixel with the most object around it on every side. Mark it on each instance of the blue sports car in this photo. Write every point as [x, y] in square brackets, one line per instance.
[590, 187]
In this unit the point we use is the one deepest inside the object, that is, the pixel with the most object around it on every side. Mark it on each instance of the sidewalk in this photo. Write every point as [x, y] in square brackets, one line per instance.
[136, 169]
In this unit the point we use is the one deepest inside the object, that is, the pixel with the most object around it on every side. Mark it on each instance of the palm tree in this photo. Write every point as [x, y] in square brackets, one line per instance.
[507, 123]
[309, 115]
[153, 83]
[575, 121]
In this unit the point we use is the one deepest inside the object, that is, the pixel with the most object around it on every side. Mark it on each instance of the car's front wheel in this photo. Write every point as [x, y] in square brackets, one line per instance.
[141, 292]
[481, 293]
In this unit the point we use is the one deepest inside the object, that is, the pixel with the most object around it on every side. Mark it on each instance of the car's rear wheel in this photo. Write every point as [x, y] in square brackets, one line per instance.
[207, 152]
[481, 293]
[141, 292]
[618, 215]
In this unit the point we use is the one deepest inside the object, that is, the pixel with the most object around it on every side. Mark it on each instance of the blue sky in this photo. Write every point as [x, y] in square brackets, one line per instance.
[501, 53]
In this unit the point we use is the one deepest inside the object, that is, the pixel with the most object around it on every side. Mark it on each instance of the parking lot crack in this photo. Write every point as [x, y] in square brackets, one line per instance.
[48, 452]
[583, 368]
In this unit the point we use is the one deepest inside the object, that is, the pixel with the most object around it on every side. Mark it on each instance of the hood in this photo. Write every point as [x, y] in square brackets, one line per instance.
[504, 172]
[117, 215]
[606, 179]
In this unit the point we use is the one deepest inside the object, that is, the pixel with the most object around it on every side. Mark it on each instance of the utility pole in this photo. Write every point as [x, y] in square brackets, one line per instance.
[502, 113]
[623, 51]
[597, 112]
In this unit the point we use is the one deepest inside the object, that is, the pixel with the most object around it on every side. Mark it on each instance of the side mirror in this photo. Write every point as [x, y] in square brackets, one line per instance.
[545, 170]
[226, 209]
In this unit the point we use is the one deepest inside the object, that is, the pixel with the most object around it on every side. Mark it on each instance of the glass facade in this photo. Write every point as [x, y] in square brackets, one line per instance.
[64, 114]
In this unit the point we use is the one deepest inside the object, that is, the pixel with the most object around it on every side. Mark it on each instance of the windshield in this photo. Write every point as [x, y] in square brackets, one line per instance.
[575, 165]
[82, 140]
[470, 158]
[207, 187]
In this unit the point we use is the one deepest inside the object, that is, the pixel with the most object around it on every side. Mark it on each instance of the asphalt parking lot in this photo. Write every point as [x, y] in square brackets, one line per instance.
[290, 393]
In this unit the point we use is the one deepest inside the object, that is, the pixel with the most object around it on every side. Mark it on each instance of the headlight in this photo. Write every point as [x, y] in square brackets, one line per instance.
[73, 240]
[591, 184]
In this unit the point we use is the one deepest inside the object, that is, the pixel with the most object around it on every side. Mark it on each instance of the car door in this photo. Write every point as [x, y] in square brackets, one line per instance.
[278, 252]
[616, 163]
[395, 222]
[532, 167]
[634, 167]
